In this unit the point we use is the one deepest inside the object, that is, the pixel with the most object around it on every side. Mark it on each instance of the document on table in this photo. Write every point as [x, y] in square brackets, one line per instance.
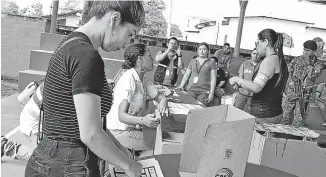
[151, 168]
[182, 108]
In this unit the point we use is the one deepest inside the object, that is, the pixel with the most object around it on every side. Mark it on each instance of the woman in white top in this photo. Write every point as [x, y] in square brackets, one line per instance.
[129, 112]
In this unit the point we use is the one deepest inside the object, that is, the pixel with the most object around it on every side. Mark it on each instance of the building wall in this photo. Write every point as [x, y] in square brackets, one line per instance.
[312, 33]
[72, 21]
[251, 28]
[19, 35]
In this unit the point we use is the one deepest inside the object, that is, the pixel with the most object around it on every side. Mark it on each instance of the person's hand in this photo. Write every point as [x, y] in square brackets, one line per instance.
[163, 107]
[134, 169]
[178, 51]
[170, 47]
[234, 80]
[210, 97]
[180, 88]
[151, 121]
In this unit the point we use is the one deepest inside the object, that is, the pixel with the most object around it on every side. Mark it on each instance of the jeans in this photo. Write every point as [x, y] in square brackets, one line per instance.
[54, 158]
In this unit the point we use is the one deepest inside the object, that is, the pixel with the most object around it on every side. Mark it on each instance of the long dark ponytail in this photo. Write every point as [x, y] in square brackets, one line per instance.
[276, 41]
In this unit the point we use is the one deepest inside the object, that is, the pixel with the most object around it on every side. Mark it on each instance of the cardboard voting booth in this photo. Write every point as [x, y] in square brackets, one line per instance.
[289, 149]
[222, 141]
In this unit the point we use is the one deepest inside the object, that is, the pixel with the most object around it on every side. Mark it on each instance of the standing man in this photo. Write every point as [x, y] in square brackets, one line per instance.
[246, 71]
[170, 61]
[224, 57]
[220, 81]
[303, 71]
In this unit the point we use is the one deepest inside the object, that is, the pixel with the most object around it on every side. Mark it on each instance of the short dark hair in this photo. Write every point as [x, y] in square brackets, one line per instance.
[226, 44]
[131, 11]
[215, 59]
[173, 38]
[205, 44]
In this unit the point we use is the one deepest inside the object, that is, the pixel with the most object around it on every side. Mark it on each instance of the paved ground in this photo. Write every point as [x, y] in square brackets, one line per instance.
[10, 110]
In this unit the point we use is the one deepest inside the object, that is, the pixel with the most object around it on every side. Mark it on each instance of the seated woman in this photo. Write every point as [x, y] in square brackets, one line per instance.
[321, 100]
[269, 81]
[129, 112]
[201, 74]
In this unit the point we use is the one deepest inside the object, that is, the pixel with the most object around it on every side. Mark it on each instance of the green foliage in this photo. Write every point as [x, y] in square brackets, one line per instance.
[37, 9]
[175, 31]
[11, 8]
[155, 23]
[71, 5]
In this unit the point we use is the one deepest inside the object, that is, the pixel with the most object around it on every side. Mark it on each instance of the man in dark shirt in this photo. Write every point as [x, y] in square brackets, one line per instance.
[220, 81]
[224, 56]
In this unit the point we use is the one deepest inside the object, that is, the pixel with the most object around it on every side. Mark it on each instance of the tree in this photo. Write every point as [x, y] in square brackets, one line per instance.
[70, 5]
[10, 8]
[155, 23]
[175, 31]
[24, 11]
[38, 9]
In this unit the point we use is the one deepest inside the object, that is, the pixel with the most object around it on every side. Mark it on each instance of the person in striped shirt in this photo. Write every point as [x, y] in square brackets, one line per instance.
[29, 122]
[76, 96]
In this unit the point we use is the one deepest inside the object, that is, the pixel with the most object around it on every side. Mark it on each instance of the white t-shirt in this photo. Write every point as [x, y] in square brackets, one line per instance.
[29, 117]
[136, 92]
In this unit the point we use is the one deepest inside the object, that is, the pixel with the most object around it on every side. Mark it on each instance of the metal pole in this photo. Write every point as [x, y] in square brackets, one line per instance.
[168, 32]
[54, 17]
[243, 5]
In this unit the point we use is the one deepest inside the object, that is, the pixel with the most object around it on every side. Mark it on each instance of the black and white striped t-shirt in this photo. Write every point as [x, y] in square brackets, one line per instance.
[76, 68]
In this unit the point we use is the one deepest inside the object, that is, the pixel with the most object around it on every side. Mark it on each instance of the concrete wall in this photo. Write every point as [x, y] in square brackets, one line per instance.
[19, 35]
[251, 28]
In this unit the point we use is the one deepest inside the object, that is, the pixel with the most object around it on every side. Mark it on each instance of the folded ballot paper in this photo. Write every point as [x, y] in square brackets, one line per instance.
[151, 168]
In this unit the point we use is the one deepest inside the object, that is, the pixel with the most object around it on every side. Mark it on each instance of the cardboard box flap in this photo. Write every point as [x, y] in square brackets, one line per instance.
[235, 114]
[197, 122]
[227, 147]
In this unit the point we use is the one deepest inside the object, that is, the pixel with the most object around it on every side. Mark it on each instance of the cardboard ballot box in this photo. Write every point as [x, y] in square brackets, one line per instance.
[289, 149]
[219, 141]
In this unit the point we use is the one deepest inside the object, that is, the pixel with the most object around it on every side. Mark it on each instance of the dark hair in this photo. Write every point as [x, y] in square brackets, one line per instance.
[173, 38]
[215, 59]
[131, 11]
[276, 41]
[194, 57]
[226, 44]
[205, 44]
[132, 53]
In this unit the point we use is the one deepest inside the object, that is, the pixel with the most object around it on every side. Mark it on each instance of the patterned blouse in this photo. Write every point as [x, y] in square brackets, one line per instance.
[136, 92]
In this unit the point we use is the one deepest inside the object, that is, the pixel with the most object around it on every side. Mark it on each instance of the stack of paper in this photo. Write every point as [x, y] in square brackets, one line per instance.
[182, 108]
[151, 168]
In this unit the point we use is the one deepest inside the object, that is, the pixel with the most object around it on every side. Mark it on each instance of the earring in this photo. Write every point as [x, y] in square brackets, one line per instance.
[111, 33]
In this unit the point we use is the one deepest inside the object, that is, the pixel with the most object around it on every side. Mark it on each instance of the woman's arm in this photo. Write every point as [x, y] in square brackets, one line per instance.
[126, 118]
[149, 120]
[265, 72]
[88, 109]
[185, 78]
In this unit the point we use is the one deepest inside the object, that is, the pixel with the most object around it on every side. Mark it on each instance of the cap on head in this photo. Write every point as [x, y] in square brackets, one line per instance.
[310, 44]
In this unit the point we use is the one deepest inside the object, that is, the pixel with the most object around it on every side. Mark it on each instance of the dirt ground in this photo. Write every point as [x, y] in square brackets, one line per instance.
[9, 87]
